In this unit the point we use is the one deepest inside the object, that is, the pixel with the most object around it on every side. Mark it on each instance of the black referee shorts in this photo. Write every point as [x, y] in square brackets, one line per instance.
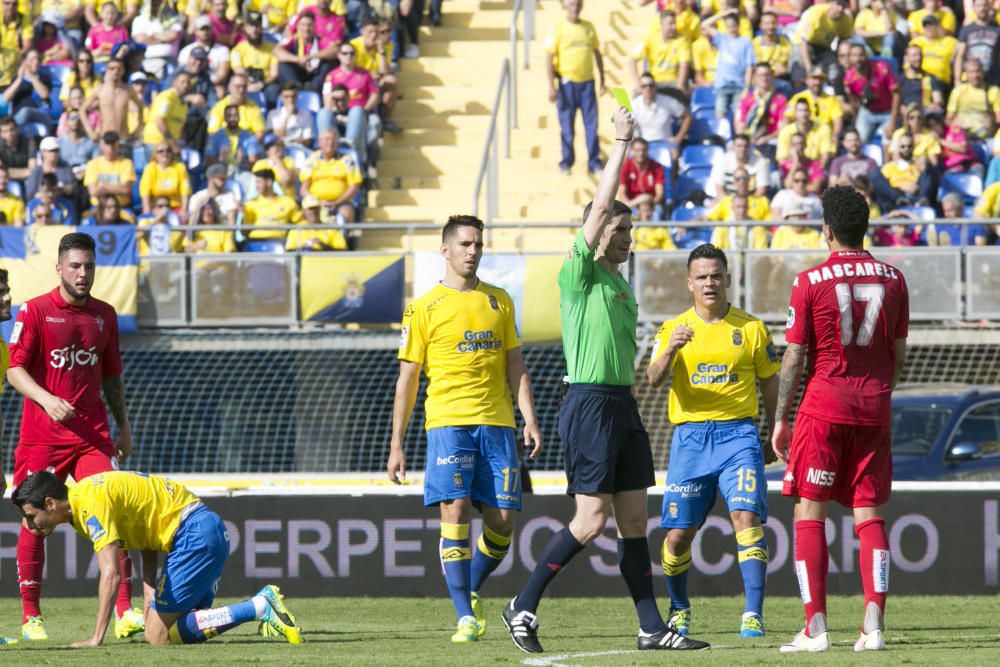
[605, 444]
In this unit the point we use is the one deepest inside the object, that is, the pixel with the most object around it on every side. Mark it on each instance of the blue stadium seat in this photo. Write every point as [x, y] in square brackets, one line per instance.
[874, 151]
[659, 151]
[969, 211]
[703, 98]
[299, 154]
[709, 127]
[139, 159]
[234, 186]
[970, 186]
[57, 73]
[982, 151]
[195, 164]
[310, 101]
[34, 130]
[699, 156]
[923, 213]
[16, 188]
[694, 179]
[685, 213]
[688, 237]
[259, 99]
[264, 245]
[952, 234]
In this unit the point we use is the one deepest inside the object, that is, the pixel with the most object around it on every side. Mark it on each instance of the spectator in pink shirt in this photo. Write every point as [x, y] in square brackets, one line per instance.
[224, 31]
[106, 34]
[873, 93]
[329, 26]
[363, 123]
[307, 57]
[956, 151]
[797, 160]
[761, 108]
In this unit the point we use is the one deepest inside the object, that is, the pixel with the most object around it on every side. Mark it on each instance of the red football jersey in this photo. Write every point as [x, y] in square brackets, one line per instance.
[68, 350]
[849, 311]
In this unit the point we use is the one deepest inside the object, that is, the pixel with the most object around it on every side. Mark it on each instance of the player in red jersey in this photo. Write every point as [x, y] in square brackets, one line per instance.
[63, 352]
[850, 316]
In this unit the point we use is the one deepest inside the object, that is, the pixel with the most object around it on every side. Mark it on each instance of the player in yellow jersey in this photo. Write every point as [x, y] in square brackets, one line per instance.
[463, 334]
[717, 354]
[153, 514]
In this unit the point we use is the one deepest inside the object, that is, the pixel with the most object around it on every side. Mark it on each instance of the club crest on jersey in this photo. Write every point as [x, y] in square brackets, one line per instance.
[457, 480]
[790, 319]
[100, 322]
[737, 337]
[493, 303]
[673, 510]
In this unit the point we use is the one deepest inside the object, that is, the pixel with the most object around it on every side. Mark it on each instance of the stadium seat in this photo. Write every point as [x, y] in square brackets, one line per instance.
[194, 162]
[689, 237]
[259, 99]
[659, 151]
[34, 130]
[703, 98]
[699, 156]
[309, 101]
[874, 151]
[16, 188]
[982, 150]
[299, 154]
[969, 211]
[139, 159]
[923, 213]
[264, 245]
[970, 186]
[685, 213]
[711, 129]
[689, 182]
[951, 235]
[57, 73]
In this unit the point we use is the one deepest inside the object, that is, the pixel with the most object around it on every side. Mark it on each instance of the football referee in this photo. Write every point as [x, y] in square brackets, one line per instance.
[609, 463]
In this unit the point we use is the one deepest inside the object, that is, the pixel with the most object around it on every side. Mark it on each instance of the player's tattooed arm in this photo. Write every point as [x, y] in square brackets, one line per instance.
[788, 380]
[114, 393]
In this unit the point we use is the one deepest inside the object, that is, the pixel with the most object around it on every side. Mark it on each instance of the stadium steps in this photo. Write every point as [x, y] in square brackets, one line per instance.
[428, 172]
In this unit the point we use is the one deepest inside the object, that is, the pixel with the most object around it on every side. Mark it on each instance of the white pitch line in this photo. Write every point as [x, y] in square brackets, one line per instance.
[555, 660]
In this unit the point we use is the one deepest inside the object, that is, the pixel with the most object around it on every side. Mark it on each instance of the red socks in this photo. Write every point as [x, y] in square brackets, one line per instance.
[124, 601]
[874, 564]
[812, 562]
[30, 563]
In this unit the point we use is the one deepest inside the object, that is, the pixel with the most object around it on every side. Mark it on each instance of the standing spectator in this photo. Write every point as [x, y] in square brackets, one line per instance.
[16, 34]
[334, 180]
[656, 116]
[796, 160]
[668, 57]
[250, 117]
[112, 98]
[853, 163]
[876, 25]
[761, 109]
[75, 146]
[269, 208]
[571, 53]
[642, 176]
[158, 27]
[109, 173]
[305, 58]
[772, 48]
[233, 146]
[11, 206]
[363, 125]
[873, 93]
[289, 122]
[926, 146]
[16, 150]
[819, 139]
[823, 109]
[821, 24]
[937, 50]
[166, 176]
[50, 163]
[104, 35]
[931, 8]
[721, 179]
[200, 97]
[214, 53]
[374, 53]
[917, 86]
[796, 197]
[979, 40]
[29, 89]
[168, 113]
[736, 60]
[903, 181]
[254, 58]
[975, 105]
[227, 200]
[82, 76]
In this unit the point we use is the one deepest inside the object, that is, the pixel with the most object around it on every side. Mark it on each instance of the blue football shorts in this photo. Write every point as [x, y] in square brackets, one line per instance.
[473, 461]
[706, 457]
[191, 573]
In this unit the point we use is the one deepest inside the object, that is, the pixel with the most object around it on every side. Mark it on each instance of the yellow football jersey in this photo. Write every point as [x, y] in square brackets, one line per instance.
[462, 340]
[141, 510]
[715, 373]
[4, 362]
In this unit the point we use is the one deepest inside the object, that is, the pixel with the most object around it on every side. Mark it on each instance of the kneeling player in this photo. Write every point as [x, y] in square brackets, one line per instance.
[717, 354]
[153, 514]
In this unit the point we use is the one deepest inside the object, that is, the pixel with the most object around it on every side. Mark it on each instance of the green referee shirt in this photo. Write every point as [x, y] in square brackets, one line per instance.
[599, 317]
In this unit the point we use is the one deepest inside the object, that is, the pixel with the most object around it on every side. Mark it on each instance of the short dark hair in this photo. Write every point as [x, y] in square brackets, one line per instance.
[772, 14]
[766, 66]
[266, 174]
[640, 140]
[456, 221]
[618, 208]
[668, 12]
[76, 241]
[37, 487]
[845, 212]
[371, 19]
[742, 137]
[50, 181]
[7, 121]
[294, 85]
[708, 251]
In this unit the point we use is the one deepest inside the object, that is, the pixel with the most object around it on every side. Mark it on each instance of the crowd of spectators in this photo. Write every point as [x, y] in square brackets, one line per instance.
[176, 112]
[748, 109]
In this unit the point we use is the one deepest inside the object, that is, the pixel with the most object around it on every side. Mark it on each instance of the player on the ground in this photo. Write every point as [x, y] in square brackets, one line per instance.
[463, 334]
[152, 514]
[63, 352]
[717, 354]
[609, 463]
[850, 316]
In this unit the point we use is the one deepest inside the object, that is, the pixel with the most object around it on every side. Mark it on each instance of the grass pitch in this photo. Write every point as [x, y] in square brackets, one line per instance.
[585, 632]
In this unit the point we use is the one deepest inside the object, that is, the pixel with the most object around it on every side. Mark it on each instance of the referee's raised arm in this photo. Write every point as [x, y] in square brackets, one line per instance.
[607, 188]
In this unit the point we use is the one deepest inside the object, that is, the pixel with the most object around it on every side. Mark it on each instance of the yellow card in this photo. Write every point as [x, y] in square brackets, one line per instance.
[621, 96]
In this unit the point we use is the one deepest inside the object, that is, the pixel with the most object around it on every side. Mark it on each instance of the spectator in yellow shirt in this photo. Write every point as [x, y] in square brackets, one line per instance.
[333, 180]
[974, 105]
[902, 181]
[770, 47]
[314, 239]
[268, 208]
[209, 240]
[820, 25]
[944, 15]
[11, 206]
[937, 49]
[732, 238]
[758, 208]
[792, 236]
[819, 139]
[877, 25]
[168, 112]
[109, 174]
[650, 238]
[251, 118]
[254, 58]
[373, 48]
[823, 109]
[166, 177]
[668, 55]
[572, 50]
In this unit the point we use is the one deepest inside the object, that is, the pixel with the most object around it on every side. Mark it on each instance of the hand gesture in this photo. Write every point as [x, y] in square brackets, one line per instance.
[396, 466]
[624, 124]
[681, 336]
[533, 439]
[781, 439]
